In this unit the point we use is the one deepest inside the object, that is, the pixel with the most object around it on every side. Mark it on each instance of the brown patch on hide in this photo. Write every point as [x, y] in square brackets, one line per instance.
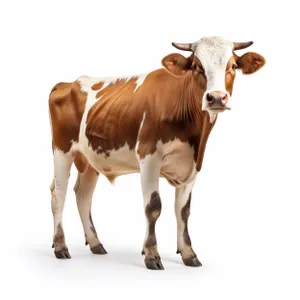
[80, 162]
[185, 213]
[153, 210]
[97, 86]
[59, 238]
[66, 105]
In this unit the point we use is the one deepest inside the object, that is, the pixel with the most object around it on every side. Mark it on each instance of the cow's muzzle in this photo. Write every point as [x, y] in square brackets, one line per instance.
[217, 101]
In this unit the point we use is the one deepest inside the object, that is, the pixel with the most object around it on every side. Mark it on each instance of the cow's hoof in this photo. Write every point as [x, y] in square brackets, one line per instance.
[154, 263]
[62, 254]
[192, 262]
[99, 249]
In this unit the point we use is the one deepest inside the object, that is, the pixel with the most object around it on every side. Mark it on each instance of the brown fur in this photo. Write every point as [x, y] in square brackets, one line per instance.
[230, 74]
[92, 227]
[66, 105]
[59, 238]
[185, 213]
[176, 63]
[172, 105]
[250, 62]
[153, 210]
[97, 86]
[171, 100]
[80, 162]
[170, 97]
[206, 129]
[115, 119]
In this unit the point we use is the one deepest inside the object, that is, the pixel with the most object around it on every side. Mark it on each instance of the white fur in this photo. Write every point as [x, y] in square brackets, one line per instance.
[62, 165]
[84, 189]
[86, 84]
[140, 81]
[181, 198]
[150, 169]
[121, 161]
[214, 54]
[177, 161]
[138, 137]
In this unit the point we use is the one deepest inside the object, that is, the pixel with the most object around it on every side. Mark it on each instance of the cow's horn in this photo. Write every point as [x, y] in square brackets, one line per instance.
[183, 46]
[239, 46]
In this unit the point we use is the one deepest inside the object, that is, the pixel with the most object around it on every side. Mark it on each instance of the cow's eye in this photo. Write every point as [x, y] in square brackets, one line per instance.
[194, 67]
[234, 66]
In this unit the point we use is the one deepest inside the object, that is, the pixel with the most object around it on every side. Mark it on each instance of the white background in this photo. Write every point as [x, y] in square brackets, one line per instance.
[243, 215]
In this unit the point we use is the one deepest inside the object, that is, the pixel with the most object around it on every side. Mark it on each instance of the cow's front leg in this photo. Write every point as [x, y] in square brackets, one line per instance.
[150, 170]
[182, 209]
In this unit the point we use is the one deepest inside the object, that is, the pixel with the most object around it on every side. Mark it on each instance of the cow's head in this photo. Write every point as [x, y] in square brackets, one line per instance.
[214, 64]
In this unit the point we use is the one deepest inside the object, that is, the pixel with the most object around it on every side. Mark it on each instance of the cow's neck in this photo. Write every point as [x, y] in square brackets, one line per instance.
[206, 129]
[184, 107]
[186, 101]
[189, 107]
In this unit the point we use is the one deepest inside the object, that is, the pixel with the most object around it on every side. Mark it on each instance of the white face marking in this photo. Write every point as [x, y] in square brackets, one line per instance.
[214, 54]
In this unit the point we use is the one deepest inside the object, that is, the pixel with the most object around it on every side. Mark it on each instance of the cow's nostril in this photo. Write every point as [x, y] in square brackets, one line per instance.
[224, 99]
[210, 98]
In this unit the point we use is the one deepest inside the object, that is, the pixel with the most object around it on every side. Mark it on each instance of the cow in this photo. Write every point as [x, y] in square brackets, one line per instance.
[155, 124]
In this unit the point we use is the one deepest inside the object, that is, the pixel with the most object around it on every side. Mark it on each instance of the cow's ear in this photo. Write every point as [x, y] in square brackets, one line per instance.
[250, 62]
[177, 63]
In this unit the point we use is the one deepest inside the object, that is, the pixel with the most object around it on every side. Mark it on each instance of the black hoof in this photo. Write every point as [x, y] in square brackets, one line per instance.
[192, 262]
[154, 264]
[99, 249]
[62, 254]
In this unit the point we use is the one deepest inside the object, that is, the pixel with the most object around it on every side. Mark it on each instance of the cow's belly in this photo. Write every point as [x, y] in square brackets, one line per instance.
[178, 165]
[113, 163]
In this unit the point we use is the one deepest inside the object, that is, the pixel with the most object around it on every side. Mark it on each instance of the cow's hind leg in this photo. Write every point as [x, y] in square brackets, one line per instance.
[182, 210]
[150, 169]
[84, 188]
[62, 165]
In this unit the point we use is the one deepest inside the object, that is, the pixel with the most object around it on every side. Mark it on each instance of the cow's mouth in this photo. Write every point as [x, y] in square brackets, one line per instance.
[219, 109]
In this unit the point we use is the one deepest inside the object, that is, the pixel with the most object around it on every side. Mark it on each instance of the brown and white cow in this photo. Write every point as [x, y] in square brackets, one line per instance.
[156, 124]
